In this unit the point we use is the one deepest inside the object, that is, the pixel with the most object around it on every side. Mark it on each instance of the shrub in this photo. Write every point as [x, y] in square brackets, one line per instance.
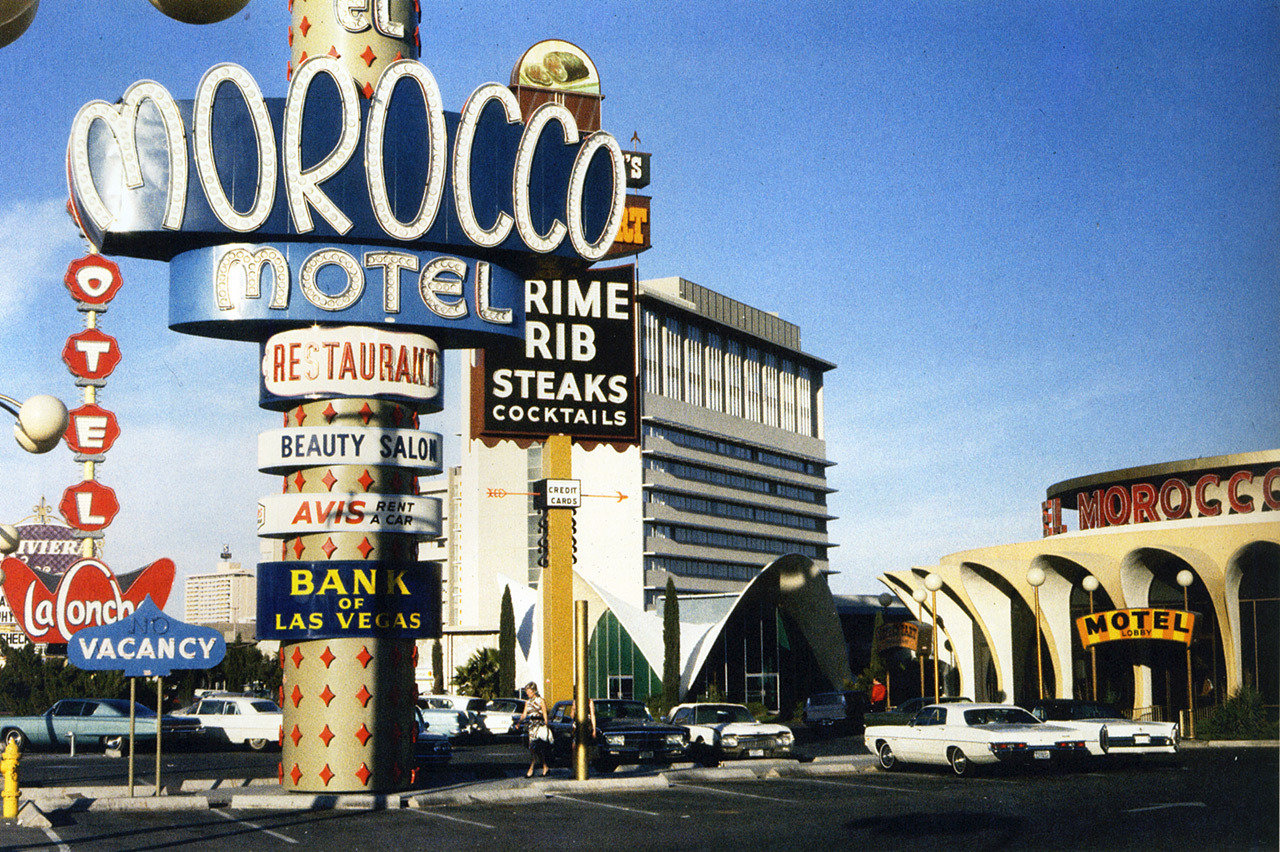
[1242, 717]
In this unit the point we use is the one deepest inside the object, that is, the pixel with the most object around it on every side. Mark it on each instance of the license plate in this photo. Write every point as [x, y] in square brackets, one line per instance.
[1041, 754]
[1142, 739]
[755, 752]
[646, 755]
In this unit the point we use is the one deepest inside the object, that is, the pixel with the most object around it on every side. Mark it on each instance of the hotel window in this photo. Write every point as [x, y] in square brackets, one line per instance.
[652, 353]
[733, 377]
[769, 386]
[804, 402]
[715, 372]
[693, 366]
[671, 358]
[751, 385]
[787, 396]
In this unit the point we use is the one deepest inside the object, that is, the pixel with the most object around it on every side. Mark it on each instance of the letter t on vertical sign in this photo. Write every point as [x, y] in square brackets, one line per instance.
[557, 579]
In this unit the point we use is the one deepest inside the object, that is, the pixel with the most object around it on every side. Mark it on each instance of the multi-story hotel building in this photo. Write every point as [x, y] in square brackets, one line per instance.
[226, 599]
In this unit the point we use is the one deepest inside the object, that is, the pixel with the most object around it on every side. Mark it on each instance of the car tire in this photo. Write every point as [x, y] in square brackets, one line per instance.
[13, 735]
[117, 743]
[257, 744]
[888, 760]
[960, 764]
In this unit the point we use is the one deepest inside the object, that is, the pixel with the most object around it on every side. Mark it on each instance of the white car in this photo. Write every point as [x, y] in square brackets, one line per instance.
[239, 719]
[964, 735]
[501, 716]
[1107, 732]
[719, 731]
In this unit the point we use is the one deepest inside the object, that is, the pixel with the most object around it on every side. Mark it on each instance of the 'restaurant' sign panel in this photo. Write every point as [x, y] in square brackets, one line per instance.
[576, 373]
[326, 600]
[1115, 625]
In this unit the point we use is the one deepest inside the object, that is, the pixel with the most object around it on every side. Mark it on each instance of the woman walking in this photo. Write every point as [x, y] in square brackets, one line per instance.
[535, 709]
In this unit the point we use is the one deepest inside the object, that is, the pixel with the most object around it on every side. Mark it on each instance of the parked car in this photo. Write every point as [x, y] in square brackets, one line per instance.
[907, 710]
[430, 748]
[1106, 731]
[233, 719]
[468, 704]
[625, 734]
[829, 710]
[720, 731]
[457, 725]
[102, 721]
[964, 735]
[501, 716]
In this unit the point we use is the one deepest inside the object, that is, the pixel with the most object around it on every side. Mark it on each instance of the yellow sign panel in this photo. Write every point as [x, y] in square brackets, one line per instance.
[1120, 624]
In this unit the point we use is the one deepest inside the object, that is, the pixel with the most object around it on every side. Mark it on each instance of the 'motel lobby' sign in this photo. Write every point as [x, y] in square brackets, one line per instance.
[428, 220]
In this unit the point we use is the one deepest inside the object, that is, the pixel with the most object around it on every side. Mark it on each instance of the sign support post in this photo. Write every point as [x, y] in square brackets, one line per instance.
[557, 578]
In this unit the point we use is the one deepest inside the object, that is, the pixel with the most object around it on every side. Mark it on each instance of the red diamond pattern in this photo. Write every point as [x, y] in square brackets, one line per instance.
[327, 735]
[326, 775]
[397, 415]
[295, 735]
[415, 655]
[396, 772]
[364, 657]
[365, 547]
[280, 773]
[367, 91]
[305, 26]
[299, 415]
[366, 413]
[327, 657]
[299, 480]
[329, 547]
[368, 56]
[363, 735]
[298, 547]
[327, 696]
[297, 658]
[295, 774]
[296, 695]
[364, 695]
[329, 413]
[365, 479]
[333, 51]
[363, 774]
[329, 480]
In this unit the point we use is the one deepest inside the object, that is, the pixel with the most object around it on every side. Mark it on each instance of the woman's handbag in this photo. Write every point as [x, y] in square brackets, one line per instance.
[543, 732]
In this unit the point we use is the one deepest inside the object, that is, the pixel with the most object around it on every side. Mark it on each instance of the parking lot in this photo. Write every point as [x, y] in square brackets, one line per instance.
[1208, 798]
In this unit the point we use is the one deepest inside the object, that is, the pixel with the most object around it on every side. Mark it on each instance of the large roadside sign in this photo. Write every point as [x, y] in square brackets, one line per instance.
[575, 372]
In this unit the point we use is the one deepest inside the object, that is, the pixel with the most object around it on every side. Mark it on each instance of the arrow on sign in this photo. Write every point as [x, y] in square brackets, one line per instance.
[617, 495]
[502, 492]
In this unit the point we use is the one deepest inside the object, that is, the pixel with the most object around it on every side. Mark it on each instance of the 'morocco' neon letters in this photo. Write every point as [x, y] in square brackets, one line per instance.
[277, 172]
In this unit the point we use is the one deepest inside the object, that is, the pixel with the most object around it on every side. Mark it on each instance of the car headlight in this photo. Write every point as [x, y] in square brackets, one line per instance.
[729, 741]
[675, 740]
[787, 738]
[615, 739]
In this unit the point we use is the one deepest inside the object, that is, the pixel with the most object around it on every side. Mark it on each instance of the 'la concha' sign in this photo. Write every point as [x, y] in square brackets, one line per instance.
[450, 208]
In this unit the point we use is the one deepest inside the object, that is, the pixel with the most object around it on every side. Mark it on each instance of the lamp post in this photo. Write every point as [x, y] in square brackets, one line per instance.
[885, 599]
[933, 582]
[1035, 576]
[919, 595]
[1185, 579]
[1090, 584]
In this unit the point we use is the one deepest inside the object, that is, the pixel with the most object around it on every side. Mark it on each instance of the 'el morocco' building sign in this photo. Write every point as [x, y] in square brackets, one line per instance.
[1209, 489]
[1114, 625]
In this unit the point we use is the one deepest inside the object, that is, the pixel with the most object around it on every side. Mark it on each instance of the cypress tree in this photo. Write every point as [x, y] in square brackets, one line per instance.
[671, 647]
[506, 646]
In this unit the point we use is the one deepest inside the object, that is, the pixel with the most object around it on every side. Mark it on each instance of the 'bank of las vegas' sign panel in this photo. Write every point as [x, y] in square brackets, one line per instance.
[324, 207]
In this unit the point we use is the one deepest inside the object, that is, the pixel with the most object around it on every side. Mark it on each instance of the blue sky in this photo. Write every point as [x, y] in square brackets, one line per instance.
[1038, 240]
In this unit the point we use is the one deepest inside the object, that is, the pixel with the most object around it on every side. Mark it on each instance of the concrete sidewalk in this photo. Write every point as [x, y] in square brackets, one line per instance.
[40, 806]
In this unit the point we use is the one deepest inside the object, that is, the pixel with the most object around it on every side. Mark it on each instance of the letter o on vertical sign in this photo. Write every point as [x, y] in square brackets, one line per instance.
[93, 280]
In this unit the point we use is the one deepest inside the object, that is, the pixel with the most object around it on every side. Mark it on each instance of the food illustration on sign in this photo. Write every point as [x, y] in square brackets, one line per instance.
[559, 65]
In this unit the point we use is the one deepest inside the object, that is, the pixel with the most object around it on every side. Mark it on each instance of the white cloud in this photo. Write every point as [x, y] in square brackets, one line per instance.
[36, 238]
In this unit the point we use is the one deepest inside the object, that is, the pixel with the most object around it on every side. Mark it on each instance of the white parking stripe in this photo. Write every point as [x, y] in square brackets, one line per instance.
[53, 835]
[277, 835]
[733, 793]
[861, 786]
[1167, 805]
[439, 815]
[602, 805]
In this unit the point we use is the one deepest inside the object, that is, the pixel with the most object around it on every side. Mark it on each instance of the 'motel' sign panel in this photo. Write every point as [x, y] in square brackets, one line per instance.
[460, 198]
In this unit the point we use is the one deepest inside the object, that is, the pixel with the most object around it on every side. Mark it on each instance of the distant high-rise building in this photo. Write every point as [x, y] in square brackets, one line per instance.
[226, 599]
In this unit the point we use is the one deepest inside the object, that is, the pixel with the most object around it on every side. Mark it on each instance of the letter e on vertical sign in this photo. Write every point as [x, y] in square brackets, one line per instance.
[91, 430]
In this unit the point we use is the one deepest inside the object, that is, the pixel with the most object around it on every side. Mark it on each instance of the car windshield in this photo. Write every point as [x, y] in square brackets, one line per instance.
[266, 707]
[721, 714]
[999, 716]
[606, 710]
[826, 699]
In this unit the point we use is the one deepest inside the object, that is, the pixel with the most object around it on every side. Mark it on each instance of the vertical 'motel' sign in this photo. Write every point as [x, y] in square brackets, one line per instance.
[352, 229]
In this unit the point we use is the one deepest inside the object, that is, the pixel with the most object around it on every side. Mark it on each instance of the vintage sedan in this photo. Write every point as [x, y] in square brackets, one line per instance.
[1106, 731]
[101, 721]
[430, 749]
[906, 711]
[625, 734]
[235, 719]
[720, 731]
[966, 735]
[501, 716]
[458, 725]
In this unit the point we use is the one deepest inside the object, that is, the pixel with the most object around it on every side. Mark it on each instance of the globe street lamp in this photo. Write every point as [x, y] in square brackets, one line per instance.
[1035, 576]
[885, 599]
[933, 582]
[1185, 579]
[41, 422]
[1090, 584]
[919, 595]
